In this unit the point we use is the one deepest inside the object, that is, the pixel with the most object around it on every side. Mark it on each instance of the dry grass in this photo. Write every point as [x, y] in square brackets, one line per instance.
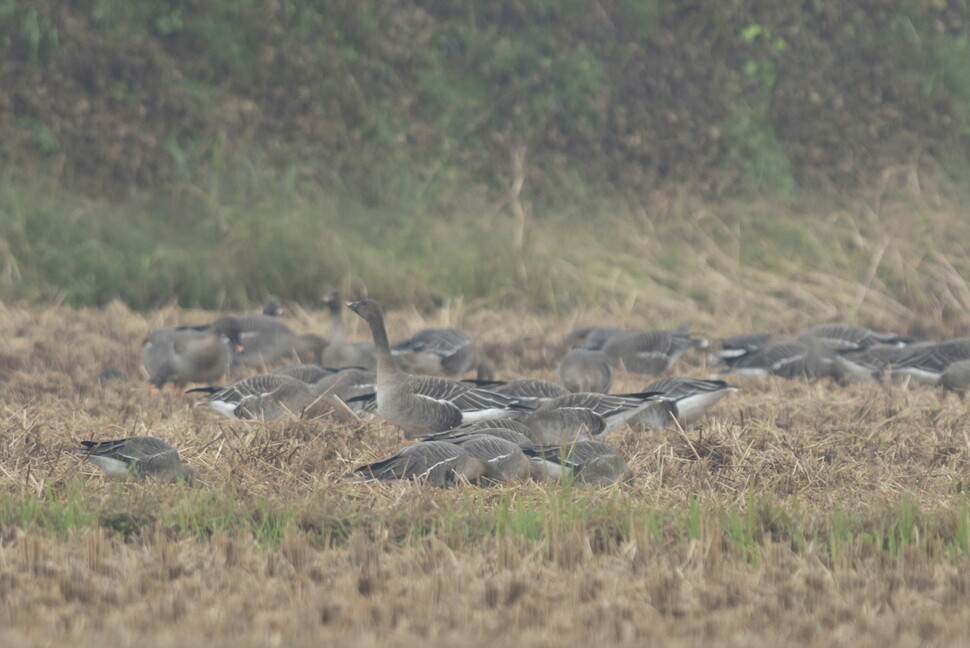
[798, 514]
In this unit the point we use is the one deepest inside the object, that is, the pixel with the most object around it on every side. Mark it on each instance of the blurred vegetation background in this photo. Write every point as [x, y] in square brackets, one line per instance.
[540, 153]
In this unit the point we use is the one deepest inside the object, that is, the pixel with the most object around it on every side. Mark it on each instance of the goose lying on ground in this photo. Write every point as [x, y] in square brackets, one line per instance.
[137, 457]
[190, 354]
[447, 351]
[307, 372]
[423, 404]
[692, 396]
[526, 388]
[583, 370]
[341, 352]
[563, 425]
[265, 396]
[927, 364]
[650, 352]
[508, 434]
[506, 460]
[439, 463]
[738, 346]
[614, 409]
[589, 462]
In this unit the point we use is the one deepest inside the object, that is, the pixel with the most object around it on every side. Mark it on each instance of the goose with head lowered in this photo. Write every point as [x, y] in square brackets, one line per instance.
[425, 404]
[137, 457]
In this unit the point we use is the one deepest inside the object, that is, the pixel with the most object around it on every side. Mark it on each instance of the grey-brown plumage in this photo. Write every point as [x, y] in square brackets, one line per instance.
[563, 425]
[583, 370]
[927, 364]
[650, 352]
[508, 434]
[593, 337]
[845, 337]
[438, 463]
[506, 460]
[447, 351]
[693, 397]
[265, 396]
[190, 354]
[273, 306]
[614, 409]
[306, 372]
[956, 378]
[137, 457]
[504, 423]
[426, 404]
[357, 388]
[341, 352]
[739, 346]
[588, 461]
[526, 388]
[789, 359]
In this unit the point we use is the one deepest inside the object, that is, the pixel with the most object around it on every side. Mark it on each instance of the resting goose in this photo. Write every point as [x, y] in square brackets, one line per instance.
[137, 457]
[738, 346]
[650, 352]
[615, 409]
[928, 363]
[439, 463]
[526, 388]
[692, 396]
[593, 337]
[190, 354]
[589, 462]
[956, 378]
[447, 351]
[341, 352]
[563, 425]
[583, 370]
[506, 460]
[307, 372]
[845, 337]
[789, 359]
[422, 404]
[355, 387]
[508, 434]
[266, 396]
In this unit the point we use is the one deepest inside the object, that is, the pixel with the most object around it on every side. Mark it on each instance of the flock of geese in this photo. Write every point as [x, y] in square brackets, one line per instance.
[483, 430]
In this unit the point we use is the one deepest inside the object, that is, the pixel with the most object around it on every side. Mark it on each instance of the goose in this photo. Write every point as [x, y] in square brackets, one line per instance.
[341, 352]
[438, 463]
[845, 337]
[137, 457]
[870, 364]
[264, 396]
[588, 461]
[789, 359]
[307, 372]
[506, 459]
[563, 425]
[956, 378]
[592, 338]
[650, 352]
[615, 409]
[738, 346]
[273, 306]
[582, 370]
[422, 404]
[692, 396]
[355, 387]
[503, 423]
[190, 354]
[508, 434]
[526, 388]
[927, 364]
[447, 351]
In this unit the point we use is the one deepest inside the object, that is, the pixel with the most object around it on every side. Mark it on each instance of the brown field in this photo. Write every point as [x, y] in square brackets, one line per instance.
[855, 499]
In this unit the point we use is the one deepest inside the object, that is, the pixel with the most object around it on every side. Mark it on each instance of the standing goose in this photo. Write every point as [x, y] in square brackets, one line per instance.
[341, 352]
[266, 396]
[692, 396]
[439, 463]
[582, 370]
[650, 352]
[190, 354]
[422, 404]
[137, 457]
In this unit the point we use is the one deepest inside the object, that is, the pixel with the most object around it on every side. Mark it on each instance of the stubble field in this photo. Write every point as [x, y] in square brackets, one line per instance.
[795, 514]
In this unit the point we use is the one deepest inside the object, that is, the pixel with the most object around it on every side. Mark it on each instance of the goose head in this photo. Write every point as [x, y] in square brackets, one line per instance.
[369, 309]
[273, 307]
[332, 300]
[229, 328]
